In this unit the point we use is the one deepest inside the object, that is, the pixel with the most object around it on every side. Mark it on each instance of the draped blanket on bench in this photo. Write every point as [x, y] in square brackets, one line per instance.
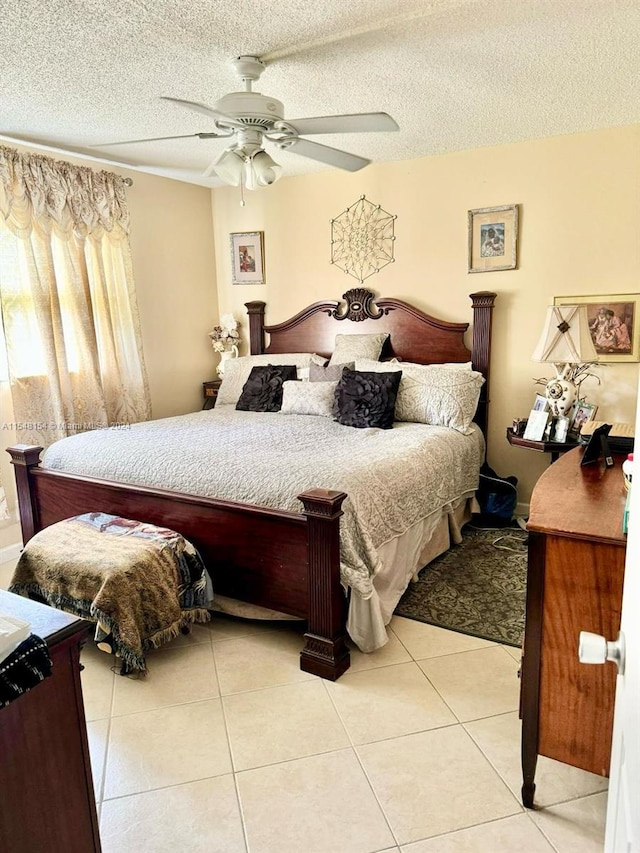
[140, 583]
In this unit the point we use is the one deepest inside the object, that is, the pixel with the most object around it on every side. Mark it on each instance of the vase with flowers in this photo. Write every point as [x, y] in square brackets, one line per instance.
[225, 338]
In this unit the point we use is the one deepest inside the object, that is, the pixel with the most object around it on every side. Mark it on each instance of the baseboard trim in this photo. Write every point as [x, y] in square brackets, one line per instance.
[522, 510]
[10, 552]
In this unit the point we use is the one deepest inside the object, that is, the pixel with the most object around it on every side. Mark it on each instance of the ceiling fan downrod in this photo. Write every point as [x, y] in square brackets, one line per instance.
[249, 68]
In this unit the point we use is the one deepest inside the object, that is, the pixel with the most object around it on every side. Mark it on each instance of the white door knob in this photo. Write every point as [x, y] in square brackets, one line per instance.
[593, 648]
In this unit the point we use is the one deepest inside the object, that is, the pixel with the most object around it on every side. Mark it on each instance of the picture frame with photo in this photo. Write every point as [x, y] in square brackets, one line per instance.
[493, 238]
[560, 429]
[614, 323]
[582, 413]
[536, 425]
[540, 404]
[247, 257]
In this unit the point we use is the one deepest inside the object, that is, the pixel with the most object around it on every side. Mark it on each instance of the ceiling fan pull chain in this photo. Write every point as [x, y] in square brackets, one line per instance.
[242, 201]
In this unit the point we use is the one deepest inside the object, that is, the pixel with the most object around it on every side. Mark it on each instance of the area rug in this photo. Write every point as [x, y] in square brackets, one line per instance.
[476, 588]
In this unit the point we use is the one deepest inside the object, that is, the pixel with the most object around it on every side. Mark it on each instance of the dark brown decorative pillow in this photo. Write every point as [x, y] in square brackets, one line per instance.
[327, 372]
[366, 399]
[262, 392]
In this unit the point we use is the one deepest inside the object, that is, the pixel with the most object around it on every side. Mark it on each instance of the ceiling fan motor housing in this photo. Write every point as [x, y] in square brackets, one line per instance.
[251, 108]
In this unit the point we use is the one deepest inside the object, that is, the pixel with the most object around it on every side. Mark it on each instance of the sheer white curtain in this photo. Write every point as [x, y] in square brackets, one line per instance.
[69, 311]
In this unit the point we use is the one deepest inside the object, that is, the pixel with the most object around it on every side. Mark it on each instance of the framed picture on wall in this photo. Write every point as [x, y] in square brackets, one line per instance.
[493, 238]
[614, 323]
[247, 257]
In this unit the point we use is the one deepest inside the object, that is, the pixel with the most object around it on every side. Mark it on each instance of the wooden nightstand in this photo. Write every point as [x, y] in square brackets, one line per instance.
[555, 448]
[210, 393]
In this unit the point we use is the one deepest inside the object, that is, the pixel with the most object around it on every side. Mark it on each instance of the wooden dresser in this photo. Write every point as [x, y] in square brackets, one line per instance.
[575, 575]
[47, 801]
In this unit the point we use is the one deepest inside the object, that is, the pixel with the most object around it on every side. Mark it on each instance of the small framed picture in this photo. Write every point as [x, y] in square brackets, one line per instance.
[540, 404]
[536, 425]
[584, 412]
[247, 257]
[560, 429]
[493, 238]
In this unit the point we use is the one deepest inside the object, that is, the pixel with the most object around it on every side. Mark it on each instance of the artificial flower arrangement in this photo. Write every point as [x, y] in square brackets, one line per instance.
[225, 336]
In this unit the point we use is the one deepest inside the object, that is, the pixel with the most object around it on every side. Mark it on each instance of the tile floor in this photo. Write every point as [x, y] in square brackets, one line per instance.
[226, 747]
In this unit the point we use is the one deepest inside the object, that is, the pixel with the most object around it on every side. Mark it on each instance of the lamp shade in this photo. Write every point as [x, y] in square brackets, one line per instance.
[230, 166]
[261, 171]
[566, 336]
[249, 165]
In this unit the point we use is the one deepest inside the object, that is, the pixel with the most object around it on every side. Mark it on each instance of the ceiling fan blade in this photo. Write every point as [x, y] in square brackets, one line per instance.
[158, 139]
[68, 149]
[325, 154]
[205, 110]
[113, 159]
[356, 123]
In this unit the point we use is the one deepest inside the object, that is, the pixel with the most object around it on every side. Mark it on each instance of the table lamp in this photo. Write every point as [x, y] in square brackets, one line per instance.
[566, 342]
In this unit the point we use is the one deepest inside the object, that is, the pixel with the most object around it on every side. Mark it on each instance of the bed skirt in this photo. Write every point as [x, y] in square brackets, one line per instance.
[401, 559]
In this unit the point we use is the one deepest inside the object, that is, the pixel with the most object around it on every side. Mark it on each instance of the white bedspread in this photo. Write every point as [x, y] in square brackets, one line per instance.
[393, 478]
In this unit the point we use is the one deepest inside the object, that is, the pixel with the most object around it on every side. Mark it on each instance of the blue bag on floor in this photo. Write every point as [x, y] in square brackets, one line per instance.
[497, 497]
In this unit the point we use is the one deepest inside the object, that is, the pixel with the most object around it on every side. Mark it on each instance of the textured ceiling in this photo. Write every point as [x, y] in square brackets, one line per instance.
[455, 74]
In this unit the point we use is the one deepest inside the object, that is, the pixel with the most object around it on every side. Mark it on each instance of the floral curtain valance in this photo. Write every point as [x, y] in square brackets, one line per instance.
[42, 193]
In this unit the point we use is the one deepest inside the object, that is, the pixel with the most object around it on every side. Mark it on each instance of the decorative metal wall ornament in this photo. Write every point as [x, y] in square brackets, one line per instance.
[362, 239]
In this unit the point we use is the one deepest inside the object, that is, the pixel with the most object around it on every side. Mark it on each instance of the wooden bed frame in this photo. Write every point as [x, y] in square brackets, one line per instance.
[285, 561]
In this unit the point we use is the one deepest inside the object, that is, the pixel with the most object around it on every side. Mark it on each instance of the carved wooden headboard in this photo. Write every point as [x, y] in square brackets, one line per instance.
[413, 335]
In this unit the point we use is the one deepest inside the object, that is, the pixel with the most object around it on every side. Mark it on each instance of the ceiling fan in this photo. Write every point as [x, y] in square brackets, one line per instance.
[249, 118]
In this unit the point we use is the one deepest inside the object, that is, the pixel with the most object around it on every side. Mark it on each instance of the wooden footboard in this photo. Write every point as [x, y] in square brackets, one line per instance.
[281, 560]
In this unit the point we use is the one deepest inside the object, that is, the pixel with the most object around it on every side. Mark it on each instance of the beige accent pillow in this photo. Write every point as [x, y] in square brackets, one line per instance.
[237, 370]
[327, 372]
[308, 398]
[350, 347]
[433, 394]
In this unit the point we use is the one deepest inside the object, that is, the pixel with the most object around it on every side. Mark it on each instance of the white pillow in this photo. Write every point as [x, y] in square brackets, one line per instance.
[456, 365]
[237, 370]
[350, 347]
[433, 394]
[308, 398]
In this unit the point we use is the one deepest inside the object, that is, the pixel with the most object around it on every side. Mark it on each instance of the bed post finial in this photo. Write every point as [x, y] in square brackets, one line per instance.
[24, 457]
[482, 303]
[255, 310]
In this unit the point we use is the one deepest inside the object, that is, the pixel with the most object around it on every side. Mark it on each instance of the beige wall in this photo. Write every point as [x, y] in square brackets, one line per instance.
[174, 269]
[580, 215]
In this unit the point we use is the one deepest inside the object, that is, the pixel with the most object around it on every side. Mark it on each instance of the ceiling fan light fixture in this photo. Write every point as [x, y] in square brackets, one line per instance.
[230, 166]
[261, 171]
